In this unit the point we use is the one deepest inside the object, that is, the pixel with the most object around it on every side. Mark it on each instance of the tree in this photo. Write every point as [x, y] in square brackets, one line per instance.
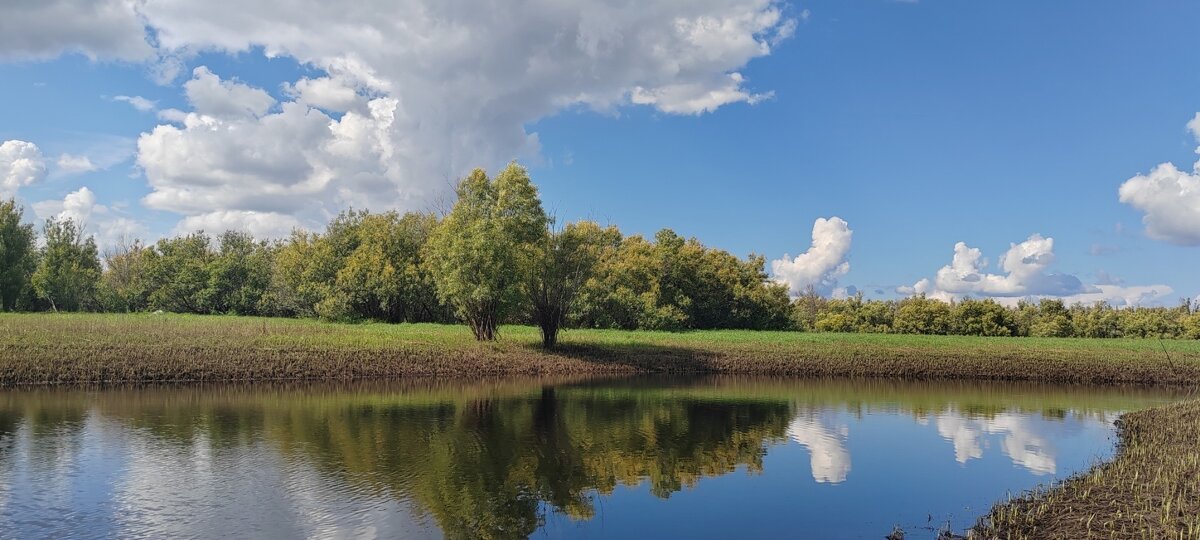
[17, 255]
[981, 318]
[238, 275]
[69, 269]
[123, 284]
[562, 262]
[476, 255]
[177, 274]
[921, 315]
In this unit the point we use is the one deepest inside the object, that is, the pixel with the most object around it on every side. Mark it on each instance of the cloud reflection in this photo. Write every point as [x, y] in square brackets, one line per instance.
[827, 445]
[1021, 440]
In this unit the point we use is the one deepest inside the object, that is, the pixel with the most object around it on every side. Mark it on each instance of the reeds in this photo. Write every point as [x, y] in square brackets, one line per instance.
[1151, 490]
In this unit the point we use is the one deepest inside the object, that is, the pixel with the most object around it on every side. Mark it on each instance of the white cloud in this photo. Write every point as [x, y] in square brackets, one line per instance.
[138, 102]
[21, 164]
[435, 88]
[823, 263]
[1026, 274]
[71, 164]
[32, 29]
[1170, 200]
[211, 96]
[262, 225]
[102, 222]
[325, 93]
[76, 206]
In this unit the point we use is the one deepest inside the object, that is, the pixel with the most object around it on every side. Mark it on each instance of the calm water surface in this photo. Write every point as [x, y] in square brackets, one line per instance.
[712, 457]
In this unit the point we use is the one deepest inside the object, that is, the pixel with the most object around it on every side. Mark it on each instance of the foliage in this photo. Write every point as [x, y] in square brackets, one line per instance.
[122, 286]
[674, 284]
[68, 268]
[480, 251]
[18, 257]
[560, 265]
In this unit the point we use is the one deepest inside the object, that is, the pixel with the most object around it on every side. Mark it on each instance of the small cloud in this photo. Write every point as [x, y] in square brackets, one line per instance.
[1104, 278]
[1101, 250]
[138, 102]
[70, 164]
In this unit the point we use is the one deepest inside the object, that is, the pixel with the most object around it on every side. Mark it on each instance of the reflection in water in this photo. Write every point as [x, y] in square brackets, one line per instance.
[830, 459]
[1022, 441]
[495, 460]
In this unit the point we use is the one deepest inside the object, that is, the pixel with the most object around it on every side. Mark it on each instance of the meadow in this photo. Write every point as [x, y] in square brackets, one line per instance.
[105, 348]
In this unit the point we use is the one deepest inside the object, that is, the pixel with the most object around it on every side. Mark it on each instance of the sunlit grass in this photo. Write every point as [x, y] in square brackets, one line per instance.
[57, 348]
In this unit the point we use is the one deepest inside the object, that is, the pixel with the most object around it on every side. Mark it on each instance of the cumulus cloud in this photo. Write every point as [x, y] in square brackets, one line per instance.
[430, 89]
[263, 225]
[1169, 199]
[325, 93]
[21, 164]
[77, 206]
[33, 29]
[100, 221]
[1026, 274]
[138, 102]
[823, 263]
[72, 164]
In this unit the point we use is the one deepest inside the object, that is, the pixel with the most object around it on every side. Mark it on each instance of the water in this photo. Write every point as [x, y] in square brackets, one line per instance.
[708, 457]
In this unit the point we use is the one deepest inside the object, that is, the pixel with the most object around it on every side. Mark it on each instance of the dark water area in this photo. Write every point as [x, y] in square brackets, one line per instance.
[718, 457]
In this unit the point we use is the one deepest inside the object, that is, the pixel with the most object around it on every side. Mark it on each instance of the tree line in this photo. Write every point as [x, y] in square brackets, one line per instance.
[496, 257]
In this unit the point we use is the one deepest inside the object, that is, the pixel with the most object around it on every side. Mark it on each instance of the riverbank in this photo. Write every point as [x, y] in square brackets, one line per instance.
[94, 348]
[1150, 490]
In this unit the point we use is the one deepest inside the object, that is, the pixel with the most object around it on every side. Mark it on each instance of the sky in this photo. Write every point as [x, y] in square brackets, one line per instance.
[1010, 150]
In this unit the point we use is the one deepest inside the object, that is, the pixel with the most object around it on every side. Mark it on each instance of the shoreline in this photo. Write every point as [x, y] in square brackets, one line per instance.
[1150, 489]
[1157, 459]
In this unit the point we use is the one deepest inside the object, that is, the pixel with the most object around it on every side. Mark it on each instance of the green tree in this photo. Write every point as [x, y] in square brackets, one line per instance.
[69, 267]
[238, 275]
[177, 274]
[921, 315]
[17, 255]
[123, 284]
[561, 263]
[477, 254]
[981, 318]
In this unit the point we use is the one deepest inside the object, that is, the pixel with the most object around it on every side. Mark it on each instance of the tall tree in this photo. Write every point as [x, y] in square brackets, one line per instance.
[479, 251]
[123, 285]
[17, 255]
[69, 268]
[561, 263]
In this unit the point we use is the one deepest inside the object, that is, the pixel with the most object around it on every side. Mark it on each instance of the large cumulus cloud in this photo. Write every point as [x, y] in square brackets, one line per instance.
[408, 95]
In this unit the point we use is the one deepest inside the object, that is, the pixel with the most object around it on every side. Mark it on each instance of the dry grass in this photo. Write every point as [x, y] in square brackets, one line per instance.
[46, 348]
[1150, 491]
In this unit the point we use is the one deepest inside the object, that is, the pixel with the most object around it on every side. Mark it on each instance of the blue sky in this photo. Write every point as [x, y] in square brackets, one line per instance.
[920, 124]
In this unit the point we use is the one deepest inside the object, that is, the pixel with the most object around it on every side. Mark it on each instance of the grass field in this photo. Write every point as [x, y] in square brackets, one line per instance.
[83, 348]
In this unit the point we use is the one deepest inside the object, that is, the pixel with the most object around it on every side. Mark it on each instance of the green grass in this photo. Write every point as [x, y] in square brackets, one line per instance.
[85, 348]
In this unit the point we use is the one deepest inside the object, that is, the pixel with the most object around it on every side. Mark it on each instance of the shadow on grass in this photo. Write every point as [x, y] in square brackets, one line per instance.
[638, 357]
